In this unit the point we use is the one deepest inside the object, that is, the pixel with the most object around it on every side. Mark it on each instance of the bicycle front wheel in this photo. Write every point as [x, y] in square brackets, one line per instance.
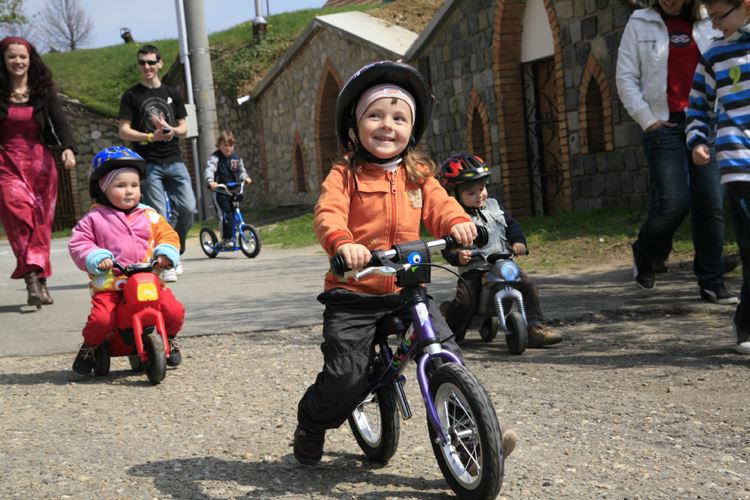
[249, 241]
[472, 459]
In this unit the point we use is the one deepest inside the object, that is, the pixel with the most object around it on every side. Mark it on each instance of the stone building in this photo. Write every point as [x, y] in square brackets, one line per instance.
[529, 85]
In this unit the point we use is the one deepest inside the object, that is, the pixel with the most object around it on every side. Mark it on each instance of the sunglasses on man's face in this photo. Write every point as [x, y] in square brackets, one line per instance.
[143, 62]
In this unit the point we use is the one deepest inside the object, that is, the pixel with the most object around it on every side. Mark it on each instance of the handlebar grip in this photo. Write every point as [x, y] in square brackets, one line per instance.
[483, 237]
[338, 265]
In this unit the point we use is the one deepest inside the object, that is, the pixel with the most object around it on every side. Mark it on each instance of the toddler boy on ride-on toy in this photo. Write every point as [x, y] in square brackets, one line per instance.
[119, 228]
[465, 176]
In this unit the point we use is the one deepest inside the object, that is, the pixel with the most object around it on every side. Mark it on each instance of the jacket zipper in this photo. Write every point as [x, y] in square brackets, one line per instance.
[392, 235]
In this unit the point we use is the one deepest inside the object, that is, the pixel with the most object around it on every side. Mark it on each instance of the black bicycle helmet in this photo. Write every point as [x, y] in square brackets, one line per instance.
[378, 73]
[109, 159]
[462, 168]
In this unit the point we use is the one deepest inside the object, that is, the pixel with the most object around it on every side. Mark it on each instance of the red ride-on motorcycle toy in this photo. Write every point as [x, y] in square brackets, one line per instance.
[140, 332]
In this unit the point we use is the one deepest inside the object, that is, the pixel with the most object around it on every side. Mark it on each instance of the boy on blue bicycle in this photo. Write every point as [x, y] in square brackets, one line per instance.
[223, 166]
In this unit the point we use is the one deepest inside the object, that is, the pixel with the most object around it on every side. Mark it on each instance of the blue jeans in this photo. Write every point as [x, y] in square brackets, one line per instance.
[738, 194]
[174, 179]
[676, 187]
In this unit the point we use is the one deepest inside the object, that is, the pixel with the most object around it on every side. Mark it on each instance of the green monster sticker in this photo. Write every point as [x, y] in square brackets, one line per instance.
[735, 73]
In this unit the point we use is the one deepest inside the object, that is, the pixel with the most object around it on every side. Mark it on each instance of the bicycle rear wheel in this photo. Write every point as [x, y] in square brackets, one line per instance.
[472, 460]
[376, 424]
[208, 242]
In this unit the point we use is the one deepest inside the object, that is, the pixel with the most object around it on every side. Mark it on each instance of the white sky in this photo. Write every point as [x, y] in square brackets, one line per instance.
[156, 19]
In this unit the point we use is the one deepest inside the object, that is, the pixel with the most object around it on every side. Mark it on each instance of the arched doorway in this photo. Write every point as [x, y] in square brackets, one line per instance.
[327, 143]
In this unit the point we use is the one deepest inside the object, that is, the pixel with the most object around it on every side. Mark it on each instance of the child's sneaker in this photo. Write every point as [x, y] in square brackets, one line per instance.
[84, 361]
[227, 244]
[178, 270]
[510, 439]
[308, 445]
[175, 358]
[743, 338]
[169, 275]
[539, 337]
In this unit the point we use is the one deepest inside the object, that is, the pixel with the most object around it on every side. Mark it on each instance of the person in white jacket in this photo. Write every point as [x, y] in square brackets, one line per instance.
[658, 53]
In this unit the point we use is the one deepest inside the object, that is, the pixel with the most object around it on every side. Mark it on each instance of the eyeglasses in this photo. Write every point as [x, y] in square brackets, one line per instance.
[143, 62]
[716, 20]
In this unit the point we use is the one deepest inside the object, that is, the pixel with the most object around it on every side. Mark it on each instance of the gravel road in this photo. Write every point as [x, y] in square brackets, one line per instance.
[631, 405]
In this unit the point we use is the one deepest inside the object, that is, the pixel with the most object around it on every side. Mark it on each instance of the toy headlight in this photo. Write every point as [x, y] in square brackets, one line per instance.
[509, 271]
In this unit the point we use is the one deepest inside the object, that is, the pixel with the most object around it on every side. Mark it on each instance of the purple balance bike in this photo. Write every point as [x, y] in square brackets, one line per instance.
[463, 427]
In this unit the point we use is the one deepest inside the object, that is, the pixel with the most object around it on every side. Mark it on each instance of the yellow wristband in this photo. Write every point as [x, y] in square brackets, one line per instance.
[150, 137]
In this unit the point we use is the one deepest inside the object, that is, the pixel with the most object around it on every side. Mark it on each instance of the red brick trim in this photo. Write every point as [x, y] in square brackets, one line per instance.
[506, 57]
[476, 104]
[325, 131]
[593, 72]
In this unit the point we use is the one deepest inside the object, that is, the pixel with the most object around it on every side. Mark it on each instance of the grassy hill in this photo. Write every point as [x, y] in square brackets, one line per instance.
[98, 77]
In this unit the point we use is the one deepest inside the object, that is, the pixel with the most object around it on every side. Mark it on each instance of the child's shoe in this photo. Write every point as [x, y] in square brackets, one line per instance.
[510, 439]
[308, 445]
[178, 270]
[175, 358]
[743, 338]
[169, 275]
[227, 244]
[539, 337]
[84, 361]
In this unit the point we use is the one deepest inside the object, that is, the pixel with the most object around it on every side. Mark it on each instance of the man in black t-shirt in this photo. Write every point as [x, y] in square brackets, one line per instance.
[152, 116]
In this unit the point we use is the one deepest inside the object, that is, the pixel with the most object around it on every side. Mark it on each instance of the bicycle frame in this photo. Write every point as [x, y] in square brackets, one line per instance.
[238, 219]
[411, 275]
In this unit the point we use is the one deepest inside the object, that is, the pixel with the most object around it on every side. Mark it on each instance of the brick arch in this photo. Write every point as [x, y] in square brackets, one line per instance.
[326, 142]
[511, 113]
[595, 122]
[478, 128]
[299, 166]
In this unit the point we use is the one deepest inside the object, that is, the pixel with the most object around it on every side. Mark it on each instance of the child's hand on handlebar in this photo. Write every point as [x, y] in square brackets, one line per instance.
[105, 265]
[162, 262]
[356, 256]
[519, 249]
[213, 184]
[248, 180]
[464, 233]
[464, 256]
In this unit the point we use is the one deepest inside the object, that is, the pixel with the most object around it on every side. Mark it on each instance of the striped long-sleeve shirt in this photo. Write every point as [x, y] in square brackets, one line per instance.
[720, 98]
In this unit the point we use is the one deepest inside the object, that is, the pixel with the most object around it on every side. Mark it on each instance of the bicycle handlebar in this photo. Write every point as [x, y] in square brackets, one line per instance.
[381, 263]
[225, 188]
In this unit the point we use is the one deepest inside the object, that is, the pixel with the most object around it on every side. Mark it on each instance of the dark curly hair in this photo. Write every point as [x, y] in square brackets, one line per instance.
[40, 78]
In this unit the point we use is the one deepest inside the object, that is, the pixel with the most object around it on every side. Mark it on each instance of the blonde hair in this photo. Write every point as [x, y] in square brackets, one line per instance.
[225, 137]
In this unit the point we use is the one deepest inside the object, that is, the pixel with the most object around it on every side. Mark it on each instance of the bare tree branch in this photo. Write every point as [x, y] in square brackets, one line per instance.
[11, 13]
[64, 25]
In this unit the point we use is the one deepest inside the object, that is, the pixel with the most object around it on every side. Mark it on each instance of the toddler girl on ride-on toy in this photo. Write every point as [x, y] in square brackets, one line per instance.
[465, 176]
[119, 228]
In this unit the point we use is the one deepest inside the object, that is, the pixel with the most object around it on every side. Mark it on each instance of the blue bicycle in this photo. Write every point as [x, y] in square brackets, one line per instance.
[244, 236]
[464, 430]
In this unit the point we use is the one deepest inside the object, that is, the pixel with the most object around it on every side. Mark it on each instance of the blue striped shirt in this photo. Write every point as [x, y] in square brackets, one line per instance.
[720, 98]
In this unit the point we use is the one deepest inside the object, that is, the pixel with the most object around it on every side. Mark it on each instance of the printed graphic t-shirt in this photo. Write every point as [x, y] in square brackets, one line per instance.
[137, 105]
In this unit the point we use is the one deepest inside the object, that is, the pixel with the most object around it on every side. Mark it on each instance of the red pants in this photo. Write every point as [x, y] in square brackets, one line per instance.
[101, 320]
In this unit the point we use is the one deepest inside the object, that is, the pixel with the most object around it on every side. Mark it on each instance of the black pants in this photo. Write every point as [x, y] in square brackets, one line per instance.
[225, 211]
[738, 194]
[459, 311]
[348, 333]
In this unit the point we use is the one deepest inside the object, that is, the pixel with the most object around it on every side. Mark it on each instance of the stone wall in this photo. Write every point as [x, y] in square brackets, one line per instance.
[289, 113]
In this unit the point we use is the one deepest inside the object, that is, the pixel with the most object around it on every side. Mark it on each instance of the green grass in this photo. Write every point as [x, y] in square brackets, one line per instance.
[98, 77]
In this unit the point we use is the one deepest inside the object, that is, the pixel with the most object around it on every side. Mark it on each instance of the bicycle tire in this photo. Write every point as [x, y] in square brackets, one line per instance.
[208, 241]
[517, 336]
[376, 424]
[472, 463]
[249, 241]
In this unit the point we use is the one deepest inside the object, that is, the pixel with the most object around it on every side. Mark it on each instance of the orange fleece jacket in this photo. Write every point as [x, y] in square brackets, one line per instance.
[387, 210]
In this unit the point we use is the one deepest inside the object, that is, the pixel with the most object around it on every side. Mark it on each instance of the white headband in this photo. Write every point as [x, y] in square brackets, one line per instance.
[385, 90]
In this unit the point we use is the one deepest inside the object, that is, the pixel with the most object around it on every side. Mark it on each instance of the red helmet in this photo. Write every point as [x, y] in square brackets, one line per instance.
[461, 168]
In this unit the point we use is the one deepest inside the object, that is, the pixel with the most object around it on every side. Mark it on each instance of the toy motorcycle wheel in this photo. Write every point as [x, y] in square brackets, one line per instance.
[488, 330]
[208, 241]
[156, 368]
[249, 241]
[517, 336]
[101, 359]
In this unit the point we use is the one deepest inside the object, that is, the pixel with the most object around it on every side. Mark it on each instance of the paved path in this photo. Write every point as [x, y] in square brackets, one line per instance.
[234, 294]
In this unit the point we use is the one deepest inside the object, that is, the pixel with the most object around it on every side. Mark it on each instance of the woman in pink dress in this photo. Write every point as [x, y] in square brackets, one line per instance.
[31, 121]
